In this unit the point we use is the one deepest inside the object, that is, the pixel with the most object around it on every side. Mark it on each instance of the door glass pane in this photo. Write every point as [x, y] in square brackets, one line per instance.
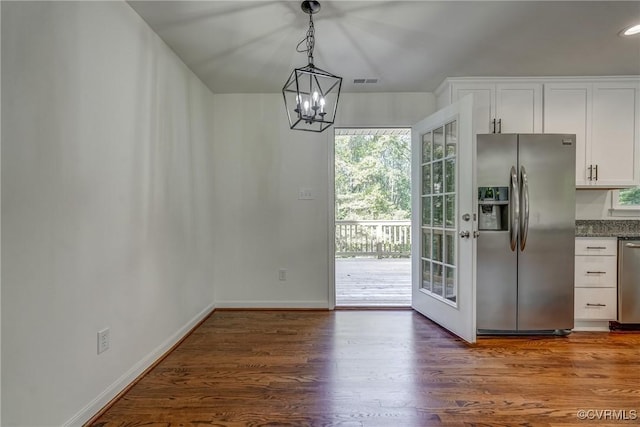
[438, 178]
[436, 247]
[451, 138]
[450, 291]
[450, 175]
[450, 248]
[438, 143]
[438, 209]
[436, 279]
[426, 211]
[426, 147]
[450, 210]
[426, 179]
[426, 244]
[426, 275]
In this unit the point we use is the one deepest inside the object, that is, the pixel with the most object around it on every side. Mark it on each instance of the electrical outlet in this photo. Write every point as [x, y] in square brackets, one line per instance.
[282, 275]
[103, 340]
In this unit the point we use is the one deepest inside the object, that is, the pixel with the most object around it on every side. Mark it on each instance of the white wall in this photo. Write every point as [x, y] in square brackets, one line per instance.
[107, 205]
[260, 166]
[593, 204]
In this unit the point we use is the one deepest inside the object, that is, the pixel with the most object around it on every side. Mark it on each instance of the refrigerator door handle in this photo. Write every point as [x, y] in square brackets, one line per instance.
[514, 208]
[524, 218]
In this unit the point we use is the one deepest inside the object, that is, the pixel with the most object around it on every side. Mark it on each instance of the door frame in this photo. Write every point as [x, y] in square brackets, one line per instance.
[331, 205]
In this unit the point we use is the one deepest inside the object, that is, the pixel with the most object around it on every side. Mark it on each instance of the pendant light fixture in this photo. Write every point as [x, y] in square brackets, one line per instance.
[311, 94]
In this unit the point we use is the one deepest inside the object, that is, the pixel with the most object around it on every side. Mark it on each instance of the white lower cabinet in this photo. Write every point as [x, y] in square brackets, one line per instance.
[596, 282]
[595, 304]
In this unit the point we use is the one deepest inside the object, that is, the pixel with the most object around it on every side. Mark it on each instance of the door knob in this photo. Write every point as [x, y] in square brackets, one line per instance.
[464, 234]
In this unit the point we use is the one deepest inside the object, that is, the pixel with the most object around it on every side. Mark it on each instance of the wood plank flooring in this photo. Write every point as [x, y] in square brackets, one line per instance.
[372, 282]
[380, 368]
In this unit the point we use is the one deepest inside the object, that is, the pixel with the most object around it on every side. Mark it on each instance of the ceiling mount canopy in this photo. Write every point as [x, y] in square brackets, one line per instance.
[311, 94]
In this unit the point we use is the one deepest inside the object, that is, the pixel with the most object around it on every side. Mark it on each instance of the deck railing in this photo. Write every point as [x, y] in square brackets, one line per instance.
[382, 239]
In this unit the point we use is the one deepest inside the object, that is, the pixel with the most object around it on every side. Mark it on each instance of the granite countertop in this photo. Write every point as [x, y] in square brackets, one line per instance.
[608, 228]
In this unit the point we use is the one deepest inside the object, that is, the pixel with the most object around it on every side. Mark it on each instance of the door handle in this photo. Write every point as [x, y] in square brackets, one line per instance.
[633, 245]
[524, 218]
[514, 209]
[493, 126]
[464, 234]
[596, 177]
[476, 233]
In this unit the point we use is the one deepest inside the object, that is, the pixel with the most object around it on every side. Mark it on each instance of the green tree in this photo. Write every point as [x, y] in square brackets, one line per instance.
[630, 196]
[372, 174]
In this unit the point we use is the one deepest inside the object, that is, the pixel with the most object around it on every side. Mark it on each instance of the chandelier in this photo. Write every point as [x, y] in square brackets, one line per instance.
[311, 94]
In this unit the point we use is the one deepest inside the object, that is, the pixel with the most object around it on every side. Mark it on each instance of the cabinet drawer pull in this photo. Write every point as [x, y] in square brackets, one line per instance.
[493, 126]
[596, 272]
[596, 305]
[596, 247]
[500, 127]
[596, 177]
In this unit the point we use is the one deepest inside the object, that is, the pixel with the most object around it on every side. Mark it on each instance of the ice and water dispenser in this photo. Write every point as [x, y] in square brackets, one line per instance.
[493, 208]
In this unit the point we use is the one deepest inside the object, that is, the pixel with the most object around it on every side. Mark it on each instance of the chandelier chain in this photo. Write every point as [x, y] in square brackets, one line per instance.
[310, 41]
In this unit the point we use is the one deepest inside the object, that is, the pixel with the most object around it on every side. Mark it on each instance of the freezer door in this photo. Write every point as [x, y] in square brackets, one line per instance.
[497, 274]
[547, 231]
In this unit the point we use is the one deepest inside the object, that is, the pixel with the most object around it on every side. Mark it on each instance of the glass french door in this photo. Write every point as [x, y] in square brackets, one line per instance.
[443, 219]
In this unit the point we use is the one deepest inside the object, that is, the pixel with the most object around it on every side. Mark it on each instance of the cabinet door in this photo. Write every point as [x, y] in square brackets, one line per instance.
[483, 102]
[518, 107]
[614, 143]
[567, 109]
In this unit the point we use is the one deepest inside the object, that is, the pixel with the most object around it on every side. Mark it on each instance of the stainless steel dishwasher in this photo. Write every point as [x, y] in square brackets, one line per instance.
[629, 280]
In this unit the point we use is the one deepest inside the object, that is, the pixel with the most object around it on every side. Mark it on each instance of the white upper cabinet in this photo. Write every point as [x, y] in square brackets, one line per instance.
[567, 109]
[501, 107]
[604, 117]
[614, 132]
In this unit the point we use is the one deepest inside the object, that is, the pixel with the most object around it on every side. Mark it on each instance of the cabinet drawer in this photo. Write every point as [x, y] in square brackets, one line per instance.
[590, 246]
[595, 304]
[596, 271]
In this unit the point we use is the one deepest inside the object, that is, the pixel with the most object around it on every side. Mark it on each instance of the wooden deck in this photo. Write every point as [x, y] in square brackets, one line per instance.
[371, 282]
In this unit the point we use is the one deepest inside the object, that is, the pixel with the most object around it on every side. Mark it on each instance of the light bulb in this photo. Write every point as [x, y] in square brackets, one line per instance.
[315, 96]
[632, 30]
[322, 105]
[306, 106]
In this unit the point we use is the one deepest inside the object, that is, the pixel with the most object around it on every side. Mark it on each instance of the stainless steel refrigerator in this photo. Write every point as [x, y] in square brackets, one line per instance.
[526, 241]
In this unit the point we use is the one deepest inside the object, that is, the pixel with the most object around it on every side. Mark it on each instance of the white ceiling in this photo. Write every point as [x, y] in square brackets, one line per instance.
[409, 46]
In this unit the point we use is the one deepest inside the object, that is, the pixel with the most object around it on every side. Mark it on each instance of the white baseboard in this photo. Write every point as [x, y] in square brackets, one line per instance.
[121, 383]
[274, 304]
[591, 326]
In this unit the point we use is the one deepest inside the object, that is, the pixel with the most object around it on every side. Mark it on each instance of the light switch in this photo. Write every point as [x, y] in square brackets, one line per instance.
[305, 194]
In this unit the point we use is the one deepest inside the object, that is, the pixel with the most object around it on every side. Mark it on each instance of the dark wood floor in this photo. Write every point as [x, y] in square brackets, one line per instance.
[380, 368]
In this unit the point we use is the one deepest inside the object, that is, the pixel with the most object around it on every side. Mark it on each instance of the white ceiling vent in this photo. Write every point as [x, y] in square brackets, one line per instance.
[365, 81]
